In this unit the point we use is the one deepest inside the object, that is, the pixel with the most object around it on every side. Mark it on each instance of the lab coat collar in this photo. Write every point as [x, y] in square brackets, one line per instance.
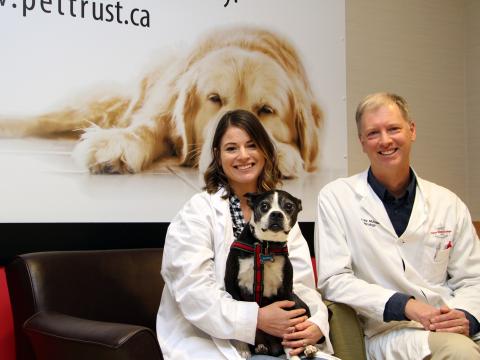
[224, 219]
[219, 203]
[419, 210]
[373, 205]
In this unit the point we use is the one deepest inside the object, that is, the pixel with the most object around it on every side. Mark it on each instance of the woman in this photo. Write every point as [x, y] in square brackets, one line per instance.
[197, 318]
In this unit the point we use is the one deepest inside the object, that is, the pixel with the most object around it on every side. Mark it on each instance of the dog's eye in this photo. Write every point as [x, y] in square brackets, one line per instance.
[264, 207]
[265, 109]
[289, 207]
[215, 98]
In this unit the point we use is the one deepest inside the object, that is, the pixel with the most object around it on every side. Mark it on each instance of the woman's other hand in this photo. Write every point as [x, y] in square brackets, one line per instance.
[275, 319]
[305, 333]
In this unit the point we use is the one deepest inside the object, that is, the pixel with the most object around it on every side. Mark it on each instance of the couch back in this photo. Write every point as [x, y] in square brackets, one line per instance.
[122, 286]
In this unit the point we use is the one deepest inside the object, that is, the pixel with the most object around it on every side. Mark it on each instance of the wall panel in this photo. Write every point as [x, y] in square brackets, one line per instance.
[416, 49]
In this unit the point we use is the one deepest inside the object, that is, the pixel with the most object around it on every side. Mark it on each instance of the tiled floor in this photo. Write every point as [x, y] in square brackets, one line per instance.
[40, 182]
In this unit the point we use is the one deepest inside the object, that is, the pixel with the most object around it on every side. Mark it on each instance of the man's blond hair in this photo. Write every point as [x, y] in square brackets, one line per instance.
[375, 101]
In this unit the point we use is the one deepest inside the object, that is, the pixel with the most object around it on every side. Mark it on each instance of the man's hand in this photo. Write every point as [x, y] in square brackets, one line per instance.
[275, 320]
[450, 320]
[304, 334]
[421, 312]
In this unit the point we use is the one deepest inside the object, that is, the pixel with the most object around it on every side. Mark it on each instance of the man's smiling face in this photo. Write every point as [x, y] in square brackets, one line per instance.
[386, 138]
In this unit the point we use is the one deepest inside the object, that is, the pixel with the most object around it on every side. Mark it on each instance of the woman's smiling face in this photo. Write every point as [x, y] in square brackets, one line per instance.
[241, 160]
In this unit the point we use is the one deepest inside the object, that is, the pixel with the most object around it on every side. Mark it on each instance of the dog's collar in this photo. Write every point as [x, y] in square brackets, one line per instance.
[262, 251]
[267, 248]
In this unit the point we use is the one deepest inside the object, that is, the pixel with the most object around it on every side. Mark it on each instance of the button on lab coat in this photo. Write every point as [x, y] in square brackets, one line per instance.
[197, 317]
[362, 262]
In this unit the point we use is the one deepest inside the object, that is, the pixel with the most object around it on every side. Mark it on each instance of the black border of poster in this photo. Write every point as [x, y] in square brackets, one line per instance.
[22, 238]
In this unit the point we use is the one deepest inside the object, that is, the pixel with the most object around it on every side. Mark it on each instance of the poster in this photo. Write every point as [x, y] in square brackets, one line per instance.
[118, 64]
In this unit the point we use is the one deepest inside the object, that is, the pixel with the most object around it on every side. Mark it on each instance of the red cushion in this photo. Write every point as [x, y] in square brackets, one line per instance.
[7, 340]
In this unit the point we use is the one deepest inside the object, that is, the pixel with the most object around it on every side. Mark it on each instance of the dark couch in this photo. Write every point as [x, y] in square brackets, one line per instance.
[102, 304]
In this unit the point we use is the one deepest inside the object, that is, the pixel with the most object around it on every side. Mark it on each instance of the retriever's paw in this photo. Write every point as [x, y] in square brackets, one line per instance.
[290, 162]
[12, 127]
[112, 151]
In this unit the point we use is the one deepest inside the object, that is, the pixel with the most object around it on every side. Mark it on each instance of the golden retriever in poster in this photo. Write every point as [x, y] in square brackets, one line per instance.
[175, 107]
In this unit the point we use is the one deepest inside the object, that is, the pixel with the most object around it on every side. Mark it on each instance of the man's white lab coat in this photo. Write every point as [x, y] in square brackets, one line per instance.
[362, 262]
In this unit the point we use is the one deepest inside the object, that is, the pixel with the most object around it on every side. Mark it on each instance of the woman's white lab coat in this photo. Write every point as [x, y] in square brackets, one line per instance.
[197, 317]
[362, 262]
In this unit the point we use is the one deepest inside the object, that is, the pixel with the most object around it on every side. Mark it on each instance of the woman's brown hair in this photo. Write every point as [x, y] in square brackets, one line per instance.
[215, 177]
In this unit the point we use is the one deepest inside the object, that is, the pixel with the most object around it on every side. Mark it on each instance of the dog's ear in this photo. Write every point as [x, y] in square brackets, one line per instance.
[184, 112]
[307, 121]
[190, 108]
[251, 197]
[307, 113]
[297, 201]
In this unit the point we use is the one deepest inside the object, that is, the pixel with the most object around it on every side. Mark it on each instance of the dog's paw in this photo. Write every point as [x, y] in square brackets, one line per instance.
[111, 151]
[261, 349]
[245, 354]
[242, 349]
[13, 127]
[290, 162]
[310, 351]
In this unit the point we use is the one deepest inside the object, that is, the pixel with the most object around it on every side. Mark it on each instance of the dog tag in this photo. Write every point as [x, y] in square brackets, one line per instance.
[264, 258]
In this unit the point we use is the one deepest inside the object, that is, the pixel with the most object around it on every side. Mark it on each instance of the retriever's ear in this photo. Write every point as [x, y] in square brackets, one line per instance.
[184, 113]
[308, 120]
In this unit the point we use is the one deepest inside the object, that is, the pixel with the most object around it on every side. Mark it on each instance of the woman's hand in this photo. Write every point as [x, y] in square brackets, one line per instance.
[304, 334]
[275, 320]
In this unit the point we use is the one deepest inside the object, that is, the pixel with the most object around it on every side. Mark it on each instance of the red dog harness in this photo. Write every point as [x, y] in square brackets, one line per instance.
[262, 251]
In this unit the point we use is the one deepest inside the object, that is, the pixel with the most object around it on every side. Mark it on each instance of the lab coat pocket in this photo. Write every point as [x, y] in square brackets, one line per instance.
[435, 266]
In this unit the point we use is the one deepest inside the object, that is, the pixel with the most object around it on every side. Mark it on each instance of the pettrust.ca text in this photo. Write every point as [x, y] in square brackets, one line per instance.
[83, 9]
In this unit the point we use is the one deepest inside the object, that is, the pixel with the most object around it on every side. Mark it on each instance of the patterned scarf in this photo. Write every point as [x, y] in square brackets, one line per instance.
[237, 215]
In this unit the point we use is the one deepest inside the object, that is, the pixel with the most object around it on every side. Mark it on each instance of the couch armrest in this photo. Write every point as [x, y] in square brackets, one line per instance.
[346, 333]
[59, 336]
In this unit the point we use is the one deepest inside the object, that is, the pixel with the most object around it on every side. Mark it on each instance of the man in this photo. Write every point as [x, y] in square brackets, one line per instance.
[400, 250]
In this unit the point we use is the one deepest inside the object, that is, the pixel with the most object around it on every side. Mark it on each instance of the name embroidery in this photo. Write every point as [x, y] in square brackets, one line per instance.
[369, 222]
[440, 232]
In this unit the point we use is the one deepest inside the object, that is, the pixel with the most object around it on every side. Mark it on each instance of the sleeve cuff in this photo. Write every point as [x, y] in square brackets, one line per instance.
[474, 324]
[246, 322]
[395, 307]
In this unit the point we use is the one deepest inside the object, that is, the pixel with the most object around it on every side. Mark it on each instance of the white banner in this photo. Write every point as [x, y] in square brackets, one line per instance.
[148, 77]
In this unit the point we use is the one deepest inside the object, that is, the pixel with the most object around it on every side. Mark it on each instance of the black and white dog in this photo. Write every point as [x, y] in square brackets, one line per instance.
[258, 268]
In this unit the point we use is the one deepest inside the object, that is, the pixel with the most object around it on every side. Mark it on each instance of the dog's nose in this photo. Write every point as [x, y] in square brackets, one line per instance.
[275, 221]
[276, 215]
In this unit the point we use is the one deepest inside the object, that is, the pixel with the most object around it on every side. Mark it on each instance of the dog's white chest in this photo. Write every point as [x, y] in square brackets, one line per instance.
[272, 275]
